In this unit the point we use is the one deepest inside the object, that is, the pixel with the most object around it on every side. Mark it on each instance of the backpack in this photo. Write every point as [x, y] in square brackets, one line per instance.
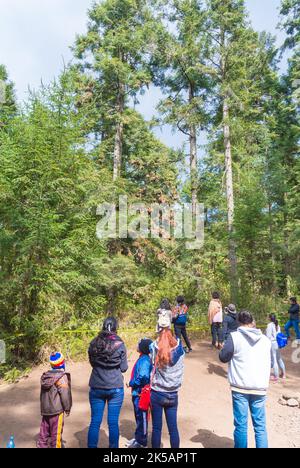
[180, 315]
[282, 340]
[145, 397]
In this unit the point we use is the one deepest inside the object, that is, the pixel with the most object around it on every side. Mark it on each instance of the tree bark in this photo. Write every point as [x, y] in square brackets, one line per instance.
[118, 148]
[286, 245]
[193, 159]
[232, 255]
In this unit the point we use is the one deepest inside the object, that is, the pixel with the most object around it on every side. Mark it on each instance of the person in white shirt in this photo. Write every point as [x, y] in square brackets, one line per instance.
[215, 318]
[273, 329]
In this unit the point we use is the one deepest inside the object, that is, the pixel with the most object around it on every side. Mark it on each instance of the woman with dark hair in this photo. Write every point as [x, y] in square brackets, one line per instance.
[108, 358]
[277, 362]
[180, 319]
[165, 310]
[168, 361]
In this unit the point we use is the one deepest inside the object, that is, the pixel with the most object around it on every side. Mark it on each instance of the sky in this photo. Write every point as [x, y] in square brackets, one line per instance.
[36, 35]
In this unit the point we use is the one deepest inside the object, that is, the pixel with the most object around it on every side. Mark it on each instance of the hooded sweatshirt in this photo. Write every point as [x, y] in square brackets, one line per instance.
[272, 332]
[230, 324]
[169, 378]
[108, 357]
[56, 396]
[248, 353]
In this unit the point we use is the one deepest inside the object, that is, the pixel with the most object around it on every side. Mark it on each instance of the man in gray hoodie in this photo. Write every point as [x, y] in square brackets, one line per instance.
[248, 353]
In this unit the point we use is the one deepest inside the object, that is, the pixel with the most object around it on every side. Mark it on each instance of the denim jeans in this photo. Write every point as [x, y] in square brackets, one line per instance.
[98, 399]
[141, 419]
[257, 405]
[277, 361]
[217, 333]
[180, 330]
[292, 324]
[168, 403]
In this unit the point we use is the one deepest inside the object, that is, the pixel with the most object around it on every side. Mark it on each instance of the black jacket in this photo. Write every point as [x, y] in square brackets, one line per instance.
[230, 325]
[294, 312]
[108, 357]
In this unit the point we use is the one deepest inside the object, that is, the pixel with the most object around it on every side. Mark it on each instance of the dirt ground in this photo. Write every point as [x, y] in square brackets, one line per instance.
[205, 413]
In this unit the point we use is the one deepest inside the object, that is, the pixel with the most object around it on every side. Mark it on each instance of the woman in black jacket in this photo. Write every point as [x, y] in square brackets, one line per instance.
[108, 358]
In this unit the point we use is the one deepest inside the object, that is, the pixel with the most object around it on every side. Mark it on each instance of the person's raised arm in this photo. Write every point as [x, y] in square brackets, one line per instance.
[227, 352]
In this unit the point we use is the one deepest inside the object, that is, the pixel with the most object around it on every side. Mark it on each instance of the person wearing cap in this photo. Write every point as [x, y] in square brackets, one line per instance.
[56, 401]
[230, 323]
[140, 377]
[168, 361]
[108, 358]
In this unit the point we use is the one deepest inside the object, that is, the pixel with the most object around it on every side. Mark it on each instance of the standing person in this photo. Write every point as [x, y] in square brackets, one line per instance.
[108, 358]
[140, 377]
[165, 310]
[294, 312]
[56, 401]
[248, 353]
[180, 318]
[277, 362]
[168, 359]
[230, 323]
[215, 318]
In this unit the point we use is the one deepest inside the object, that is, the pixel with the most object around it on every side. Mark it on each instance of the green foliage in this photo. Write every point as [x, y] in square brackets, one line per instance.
[57, 280]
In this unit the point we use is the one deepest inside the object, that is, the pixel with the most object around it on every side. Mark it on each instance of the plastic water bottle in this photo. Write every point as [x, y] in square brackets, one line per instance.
[11, 443]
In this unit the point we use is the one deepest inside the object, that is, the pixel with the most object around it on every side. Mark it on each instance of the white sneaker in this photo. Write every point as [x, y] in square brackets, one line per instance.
[129, 443]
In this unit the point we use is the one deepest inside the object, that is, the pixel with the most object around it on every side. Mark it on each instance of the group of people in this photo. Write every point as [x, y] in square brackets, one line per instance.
[155, 381]
[157, 376]
[251, 356]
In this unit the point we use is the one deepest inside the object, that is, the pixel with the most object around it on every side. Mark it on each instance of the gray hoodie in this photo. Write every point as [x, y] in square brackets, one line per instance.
[168, 379]
[248, 353]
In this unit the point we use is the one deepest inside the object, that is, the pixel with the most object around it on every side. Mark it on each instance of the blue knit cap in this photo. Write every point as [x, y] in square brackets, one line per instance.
[57, 361]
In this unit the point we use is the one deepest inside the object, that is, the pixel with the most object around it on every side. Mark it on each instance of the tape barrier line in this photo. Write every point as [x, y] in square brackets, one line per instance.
[122, 331]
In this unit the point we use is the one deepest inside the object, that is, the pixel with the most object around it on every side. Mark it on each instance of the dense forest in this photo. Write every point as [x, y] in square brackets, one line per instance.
[80, 142]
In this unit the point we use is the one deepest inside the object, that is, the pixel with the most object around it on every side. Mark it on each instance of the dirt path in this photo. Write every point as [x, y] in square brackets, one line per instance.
[205, 414]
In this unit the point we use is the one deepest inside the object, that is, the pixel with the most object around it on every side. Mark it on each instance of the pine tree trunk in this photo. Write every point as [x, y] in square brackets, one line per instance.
[193, 159]
[286, 259]
[230, 204]
[272, 251]
[118, 148]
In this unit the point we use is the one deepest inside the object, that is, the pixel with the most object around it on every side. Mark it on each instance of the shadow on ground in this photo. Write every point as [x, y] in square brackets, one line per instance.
[211, 440]
[218, 370]
[82, 436]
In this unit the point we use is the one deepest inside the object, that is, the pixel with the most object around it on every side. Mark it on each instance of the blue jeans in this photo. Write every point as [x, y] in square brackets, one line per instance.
[277, 361]
[292, 324]
[168, 403]
[257, 405]
[98, 399]
[141, 418]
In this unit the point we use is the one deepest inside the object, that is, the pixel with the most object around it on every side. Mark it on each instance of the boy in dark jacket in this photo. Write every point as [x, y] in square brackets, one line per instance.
[56, 400]
[140, 377]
